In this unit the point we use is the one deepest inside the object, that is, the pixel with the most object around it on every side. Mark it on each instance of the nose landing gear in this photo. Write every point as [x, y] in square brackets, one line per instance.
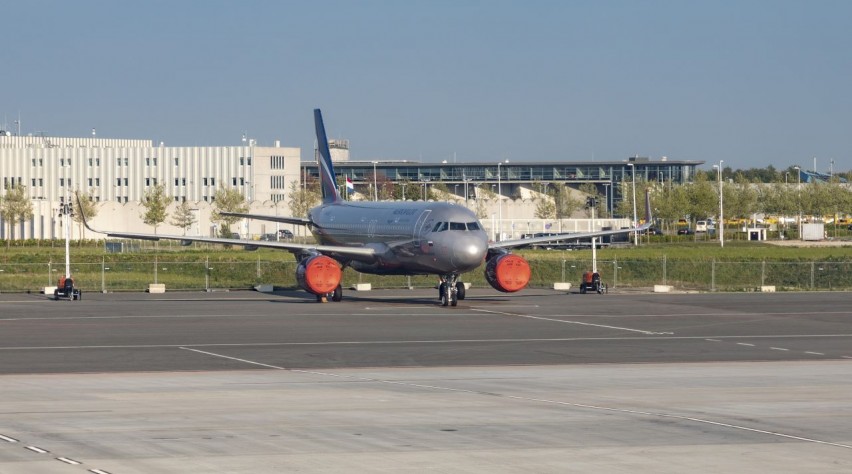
[450, 291]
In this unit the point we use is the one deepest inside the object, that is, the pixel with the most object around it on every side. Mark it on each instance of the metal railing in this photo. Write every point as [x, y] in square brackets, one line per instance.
[109, 276]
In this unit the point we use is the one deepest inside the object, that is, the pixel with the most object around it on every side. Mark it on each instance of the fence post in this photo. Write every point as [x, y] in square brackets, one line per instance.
[665, 278]
[207, 273]
[49, 270]
[812, 275]
[614, 273]
[713, 275]
[763, 273]
[563, 270]
[103, 274]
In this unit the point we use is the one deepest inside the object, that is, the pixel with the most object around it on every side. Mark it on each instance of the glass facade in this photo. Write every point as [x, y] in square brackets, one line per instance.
[602, 174]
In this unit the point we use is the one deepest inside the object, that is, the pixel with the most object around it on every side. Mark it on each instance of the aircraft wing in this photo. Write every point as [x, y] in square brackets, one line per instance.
[354, 252]
[263, 217]
[507, 244]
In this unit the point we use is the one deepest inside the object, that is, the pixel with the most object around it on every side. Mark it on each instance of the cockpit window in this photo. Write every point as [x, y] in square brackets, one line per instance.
[457, 226]
[472, 226]
[440, 227]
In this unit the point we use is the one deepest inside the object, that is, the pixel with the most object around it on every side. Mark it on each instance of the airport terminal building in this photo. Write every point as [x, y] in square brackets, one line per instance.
[118, 172]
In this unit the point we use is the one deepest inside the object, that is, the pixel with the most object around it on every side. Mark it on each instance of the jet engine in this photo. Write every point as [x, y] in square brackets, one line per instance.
[507, 272]
[318, 274]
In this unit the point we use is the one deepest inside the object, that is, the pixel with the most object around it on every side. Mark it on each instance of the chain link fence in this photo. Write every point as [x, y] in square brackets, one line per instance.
[110, 276]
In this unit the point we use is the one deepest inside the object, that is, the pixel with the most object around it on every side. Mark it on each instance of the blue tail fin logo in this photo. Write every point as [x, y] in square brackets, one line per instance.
[327, 178]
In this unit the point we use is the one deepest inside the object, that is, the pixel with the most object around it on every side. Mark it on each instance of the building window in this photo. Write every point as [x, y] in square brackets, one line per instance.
[97, 181]
[125, 183]
[177, 161]
[204, 182]
[118, 181]
[176, 182]
[33, 182]
[212, 181]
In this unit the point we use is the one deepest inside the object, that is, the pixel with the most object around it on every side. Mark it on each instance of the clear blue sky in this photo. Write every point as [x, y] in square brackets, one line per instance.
[750, 82]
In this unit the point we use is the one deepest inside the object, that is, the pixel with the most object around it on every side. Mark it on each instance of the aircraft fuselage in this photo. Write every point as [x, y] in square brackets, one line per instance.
[410, 238]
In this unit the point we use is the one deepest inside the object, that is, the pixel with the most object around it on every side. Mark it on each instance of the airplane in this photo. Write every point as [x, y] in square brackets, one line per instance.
[390, 238]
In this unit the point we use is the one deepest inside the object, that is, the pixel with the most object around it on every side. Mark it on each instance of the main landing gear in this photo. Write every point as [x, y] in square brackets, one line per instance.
[450, 291]
[335, 295]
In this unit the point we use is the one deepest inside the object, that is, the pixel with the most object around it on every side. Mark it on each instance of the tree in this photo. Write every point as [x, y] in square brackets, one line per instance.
[183, 217]
[227, 200]
[86, 207]
[565, 202]
[303, 198]
[15, 207]
[440, 192]
[703, 198]
[156, 202]
[668, 203]
[545, 209]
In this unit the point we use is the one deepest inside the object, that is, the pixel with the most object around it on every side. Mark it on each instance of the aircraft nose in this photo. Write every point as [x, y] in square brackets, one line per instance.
[468, 252]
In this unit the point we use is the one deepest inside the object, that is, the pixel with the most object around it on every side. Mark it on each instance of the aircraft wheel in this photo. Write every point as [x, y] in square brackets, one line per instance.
[55, 295]
[338, 294]
[454, 299]
[442, 289]
[460, 290]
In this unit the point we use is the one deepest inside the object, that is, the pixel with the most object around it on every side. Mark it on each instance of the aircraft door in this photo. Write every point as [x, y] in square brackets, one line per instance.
[421, 222]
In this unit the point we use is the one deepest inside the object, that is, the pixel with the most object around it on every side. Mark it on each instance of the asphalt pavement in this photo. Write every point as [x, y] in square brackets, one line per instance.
[390, 381]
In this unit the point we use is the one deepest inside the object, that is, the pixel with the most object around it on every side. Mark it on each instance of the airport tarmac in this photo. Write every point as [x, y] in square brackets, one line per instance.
[389, 381]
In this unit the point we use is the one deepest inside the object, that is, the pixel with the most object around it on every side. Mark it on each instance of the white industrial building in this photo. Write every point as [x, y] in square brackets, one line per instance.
[118, 172]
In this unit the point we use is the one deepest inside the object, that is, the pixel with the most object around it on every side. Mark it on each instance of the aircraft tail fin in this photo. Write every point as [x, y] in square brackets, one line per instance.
[328, 180]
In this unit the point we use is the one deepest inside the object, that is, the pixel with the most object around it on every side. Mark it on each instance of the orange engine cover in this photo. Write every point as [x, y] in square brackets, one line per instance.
[507, 272]
[319, 274]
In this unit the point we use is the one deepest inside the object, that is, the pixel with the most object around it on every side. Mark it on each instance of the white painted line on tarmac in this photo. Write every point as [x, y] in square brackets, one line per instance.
[814, 353]
[713, 340]
[36, 449]
[564, 321]
[68, 461]
[98, 471]
[537, 400]
[8, 439]
[235, 358]
[779, 349]
[745, 344]
[847, 357]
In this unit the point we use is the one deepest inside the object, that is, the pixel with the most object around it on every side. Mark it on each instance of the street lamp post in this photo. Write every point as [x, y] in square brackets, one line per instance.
[66, 210]
[721, 215]
[799, 200]
[635, 234]
[499, 199]
[375, 183]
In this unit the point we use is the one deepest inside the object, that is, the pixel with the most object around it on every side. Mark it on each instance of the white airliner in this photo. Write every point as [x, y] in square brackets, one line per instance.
[391, 238]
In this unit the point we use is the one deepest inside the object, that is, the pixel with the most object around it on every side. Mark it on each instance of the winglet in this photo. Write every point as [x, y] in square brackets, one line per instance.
[326, 169]
[82, 214]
